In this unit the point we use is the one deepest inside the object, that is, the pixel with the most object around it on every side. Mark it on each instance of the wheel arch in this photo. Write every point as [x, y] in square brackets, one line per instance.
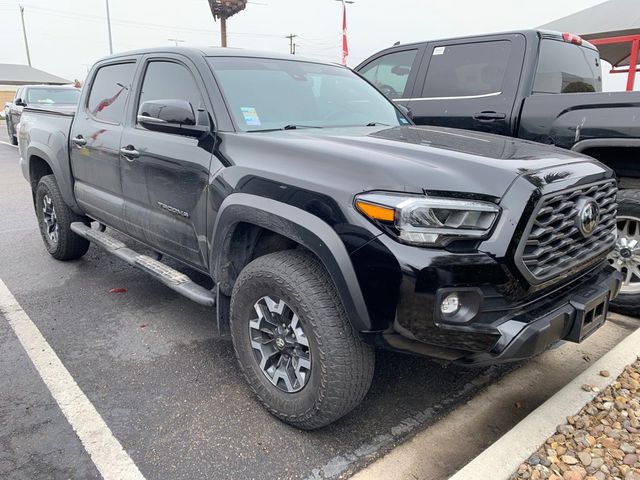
[622, 155]
[38, 156]
[242, 218]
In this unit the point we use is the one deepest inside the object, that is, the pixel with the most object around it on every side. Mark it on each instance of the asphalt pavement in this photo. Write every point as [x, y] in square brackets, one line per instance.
[168, 388]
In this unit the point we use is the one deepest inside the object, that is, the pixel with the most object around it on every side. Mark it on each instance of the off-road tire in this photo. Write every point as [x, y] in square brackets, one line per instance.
[69, 245]
[628, 206]
[342, 365]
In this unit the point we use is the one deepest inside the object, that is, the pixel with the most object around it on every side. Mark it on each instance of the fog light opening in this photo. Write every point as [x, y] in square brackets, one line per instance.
[450, 304]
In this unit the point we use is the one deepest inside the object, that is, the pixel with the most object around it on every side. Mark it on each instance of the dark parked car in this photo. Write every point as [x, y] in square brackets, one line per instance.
[328, 223]
[51, 97]
[537, 85]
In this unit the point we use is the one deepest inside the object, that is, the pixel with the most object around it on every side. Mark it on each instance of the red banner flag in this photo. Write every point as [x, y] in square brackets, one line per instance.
[345, 45]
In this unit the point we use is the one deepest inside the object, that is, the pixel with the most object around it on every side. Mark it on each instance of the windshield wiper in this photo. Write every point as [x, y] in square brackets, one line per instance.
[293, 126]
[375, 124]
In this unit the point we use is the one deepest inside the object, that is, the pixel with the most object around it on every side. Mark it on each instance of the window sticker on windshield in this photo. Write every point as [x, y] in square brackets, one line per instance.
[438, 50]
[250, 116]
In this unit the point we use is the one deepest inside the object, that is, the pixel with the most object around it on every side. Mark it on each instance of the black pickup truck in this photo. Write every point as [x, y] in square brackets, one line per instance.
[536, 85]
[328, 223]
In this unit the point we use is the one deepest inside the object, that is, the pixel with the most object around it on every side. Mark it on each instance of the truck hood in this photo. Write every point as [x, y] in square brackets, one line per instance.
[404, 158]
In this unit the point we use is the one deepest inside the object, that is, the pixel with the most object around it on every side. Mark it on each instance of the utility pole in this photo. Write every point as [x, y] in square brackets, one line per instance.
[24, 33]
[292, 46]
[109, 29]
[223, 31]
[223, 9]
[175, 40]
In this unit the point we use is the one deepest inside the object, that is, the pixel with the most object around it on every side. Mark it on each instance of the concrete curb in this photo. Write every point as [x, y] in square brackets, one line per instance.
[504, 457]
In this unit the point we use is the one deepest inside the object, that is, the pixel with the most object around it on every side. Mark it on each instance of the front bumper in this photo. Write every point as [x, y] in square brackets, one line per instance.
[511, 333]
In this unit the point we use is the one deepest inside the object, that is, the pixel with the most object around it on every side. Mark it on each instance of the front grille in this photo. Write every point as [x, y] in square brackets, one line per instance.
[552, 243]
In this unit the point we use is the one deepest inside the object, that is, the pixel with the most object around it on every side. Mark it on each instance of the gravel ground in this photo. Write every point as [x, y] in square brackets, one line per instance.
[601, 442]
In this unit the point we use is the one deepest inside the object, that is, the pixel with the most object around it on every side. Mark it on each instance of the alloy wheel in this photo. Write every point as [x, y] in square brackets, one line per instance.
[280, 344]
[626, 256]
[50, 219]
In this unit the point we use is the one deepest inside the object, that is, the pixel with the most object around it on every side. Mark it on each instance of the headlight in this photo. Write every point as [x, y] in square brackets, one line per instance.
[429, 220]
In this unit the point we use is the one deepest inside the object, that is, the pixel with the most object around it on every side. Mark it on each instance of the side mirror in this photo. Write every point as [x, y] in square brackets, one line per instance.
[406, 111]
[20, 103]
[170, 116]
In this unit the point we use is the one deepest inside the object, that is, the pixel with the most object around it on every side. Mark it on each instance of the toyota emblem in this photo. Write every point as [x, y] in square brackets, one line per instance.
[588, 216]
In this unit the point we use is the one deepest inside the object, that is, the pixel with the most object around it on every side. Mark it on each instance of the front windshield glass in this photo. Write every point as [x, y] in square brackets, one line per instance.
[265, 94]
[50, 96]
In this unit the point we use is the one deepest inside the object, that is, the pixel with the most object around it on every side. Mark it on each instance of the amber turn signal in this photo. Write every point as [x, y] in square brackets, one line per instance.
[376, 212]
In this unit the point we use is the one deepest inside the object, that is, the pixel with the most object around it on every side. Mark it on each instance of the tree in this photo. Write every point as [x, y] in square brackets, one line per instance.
[223, 9]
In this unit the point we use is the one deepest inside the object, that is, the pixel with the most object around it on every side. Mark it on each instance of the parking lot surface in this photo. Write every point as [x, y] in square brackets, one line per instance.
[168, 389]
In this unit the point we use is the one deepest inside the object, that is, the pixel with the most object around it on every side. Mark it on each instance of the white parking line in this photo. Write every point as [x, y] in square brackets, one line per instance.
[105, 450]
[7, 143]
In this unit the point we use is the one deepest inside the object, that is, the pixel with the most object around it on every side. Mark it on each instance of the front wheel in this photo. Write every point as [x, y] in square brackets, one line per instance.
[294, 342]
[55, 219]
[626, 256]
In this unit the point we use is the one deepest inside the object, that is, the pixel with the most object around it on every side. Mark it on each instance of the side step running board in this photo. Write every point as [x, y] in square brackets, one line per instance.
[171, 278]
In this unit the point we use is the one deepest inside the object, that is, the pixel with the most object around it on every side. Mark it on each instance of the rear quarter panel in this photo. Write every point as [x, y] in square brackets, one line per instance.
[568, 118]
[45, 135]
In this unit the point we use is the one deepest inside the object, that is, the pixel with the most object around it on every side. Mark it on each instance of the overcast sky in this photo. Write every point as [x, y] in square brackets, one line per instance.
[66, 36]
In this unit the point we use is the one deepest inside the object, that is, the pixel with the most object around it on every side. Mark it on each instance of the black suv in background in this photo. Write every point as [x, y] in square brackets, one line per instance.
[536, 85]
[328, 223]
[57, 97]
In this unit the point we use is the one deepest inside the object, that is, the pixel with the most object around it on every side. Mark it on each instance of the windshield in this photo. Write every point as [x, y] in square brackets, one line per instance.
[567, 68]
[265, 94]
[49, 96]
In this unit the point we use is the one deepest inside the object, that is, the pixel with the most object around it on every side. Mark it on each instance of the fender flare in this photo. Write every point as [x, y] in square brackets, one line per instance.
[303, 228]
[62, 178]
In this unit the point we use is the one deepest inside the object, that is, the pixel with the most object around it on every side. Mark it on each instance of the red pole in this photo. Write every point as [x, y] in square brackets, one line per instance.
[633, 64]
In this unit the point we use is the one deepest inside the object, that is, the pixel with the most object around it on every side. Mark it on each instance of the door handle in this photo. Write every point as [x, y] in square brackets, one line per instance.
[129, 152]
[489, 116]
[79, 141]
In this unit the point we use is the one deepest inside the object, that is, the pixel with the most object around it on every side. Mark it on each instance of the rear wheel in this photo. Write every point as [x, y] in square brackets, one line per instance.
[55, 219]
[294, 342]
[626, 256]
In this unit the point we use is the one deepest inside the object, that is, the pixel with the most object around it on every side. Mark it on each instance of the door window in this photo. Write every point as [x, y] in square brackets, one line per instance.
[171, 81]
[109, 92]
[466, 70]
[390, 72]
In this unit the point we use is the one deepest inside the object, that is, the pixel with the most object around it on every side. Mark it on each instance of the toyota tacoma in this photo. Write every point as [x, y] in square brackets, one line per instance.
[328, 222]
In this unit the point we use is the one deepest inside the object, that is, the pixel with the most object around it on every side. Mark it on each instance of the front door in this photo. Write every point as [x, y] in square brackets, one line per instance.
[165, 175]
[95, 143]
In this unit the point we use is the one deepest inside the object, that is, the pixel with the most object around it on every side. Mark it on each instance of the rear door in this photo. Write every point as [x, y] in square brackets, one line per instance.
[95, 142]
[470, 84]
[164, 183]
[394, 72]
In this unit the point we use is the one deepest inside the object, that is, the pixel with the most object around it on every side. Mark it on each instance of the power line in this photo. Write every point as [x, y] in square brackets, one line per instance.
[97, 18]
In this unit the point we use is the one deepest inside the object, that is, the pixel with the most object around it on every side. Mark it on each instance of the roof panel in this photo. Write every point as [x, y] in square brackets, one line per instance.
[608, 19]
[13, 74]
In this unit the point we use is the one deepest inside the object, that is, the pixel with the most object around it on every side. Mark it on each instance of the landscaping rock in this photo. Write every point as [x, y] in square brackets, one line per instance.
[601, 442]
